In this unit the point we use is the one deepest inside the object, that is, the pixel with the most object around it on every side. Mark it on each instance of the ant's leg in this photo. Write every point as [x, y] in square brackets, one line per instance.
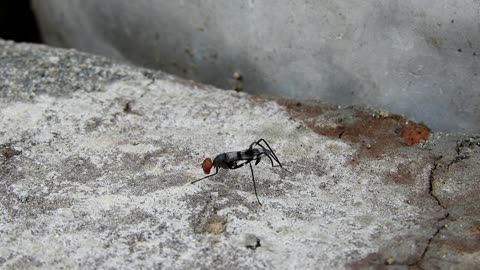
[279, 165]
[273, 154]
[265, 154]
[194, 181]
[256, 143]
[271, 160]
[253, 177]
[254, 185]
[269, 148]
[264, 148]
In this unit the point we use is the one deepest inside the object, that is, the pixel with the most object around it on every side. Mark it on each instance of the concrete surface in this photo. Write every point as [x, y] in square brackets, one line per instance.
[419, 58]
[96, 160]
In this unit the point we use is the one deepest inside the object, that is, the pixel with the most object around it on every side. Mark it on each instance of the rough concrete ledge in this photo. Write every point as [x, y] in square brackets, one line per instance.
[96, 161]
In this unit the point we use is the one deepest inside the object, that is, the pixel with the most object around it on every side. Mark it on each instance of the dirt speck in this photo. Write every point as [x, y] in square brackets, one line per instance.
[252, 241]
[215, 224]
[9, 152]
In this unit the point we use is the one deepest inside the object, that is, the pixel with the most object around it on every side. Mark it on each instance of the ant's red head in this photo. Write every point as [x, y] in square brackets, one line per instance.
[207, 165]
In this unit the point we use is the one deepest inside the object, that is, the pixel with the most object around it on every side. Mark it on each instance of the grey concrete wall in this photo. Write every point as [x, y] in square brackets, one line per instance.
[418, 58]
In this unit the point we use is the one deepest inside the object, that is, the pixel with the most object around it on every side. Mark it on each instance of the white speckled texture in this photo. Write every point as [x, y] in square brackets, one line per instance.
[101, 179]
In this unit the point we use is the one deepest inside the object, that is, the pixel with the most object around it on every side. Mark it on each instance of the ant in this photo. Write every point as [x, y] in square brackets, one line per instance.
[230, 161]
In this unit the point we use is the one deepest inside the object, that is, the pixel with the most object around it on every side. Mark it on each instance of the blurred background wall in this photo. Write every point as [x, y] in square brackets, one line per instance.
[420, 58]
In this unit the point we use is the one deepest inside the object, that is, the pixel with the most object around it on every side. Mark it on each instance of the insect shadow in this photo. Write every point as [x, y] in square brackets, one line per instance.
[235, 160]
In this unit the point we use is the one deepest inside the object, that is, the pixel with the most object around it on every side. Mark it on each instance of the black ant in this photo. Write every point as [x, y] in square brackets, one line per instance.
[230, 161]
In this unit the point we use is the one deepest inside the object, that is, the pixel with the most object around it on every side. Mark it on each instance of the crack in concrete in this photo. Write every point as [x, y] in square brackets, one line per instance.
[147, 87]
[427, 246]
[431, 179]
[458, 156]
[464, 143]
[439, 222]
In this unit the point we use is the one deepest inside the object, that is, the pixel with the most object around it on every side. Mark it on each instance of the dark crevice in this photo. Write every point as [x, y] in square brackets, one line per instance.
[458, 156]
[128, 107]
[254, 246]
[427, 246]
[464, 148]
[148, 75]
[440, 225]
[431, 179]
[457, 159]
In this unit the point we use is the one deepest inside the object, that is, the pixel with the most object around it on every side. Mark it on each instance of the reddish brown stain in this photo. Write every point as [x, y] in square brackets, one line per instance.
[475, 230]
[375, 132]
[414, 133]
[408, 173]
[404, 175]
[459, 245]
[303, 111]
